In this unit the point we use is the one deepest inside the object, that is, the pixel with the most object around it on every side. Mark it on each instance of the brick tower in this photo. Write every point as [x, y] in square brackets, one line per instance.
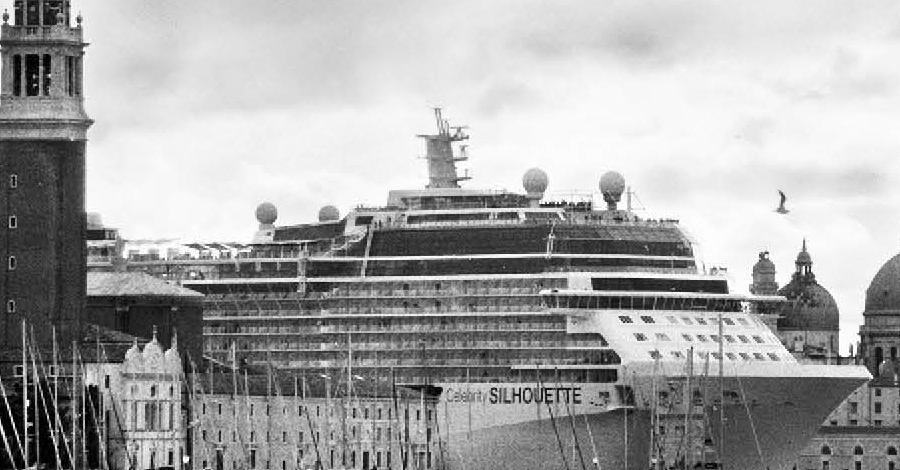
[43, 130]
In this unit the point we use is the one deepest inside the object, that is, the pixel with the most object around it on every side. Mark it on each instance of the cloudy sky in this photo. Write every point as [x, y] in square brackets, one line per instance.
[205, 108]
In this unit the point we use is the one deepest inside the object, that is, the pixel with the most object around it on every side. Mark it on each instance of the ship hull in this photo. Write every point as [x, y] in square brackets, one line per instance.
[545, 444]
[781, 414]
[768, 419]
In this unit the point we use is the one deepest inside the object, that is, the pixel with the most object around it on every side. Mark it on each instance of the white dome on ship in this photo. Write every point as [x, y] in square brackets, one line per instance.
[612, 185]
[329, 213]
[266, 213]
[535, 181]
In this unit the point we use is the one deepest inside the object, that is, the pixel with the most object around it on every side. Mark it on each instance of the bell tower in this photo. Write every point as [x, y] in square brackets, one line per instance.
[43, 134]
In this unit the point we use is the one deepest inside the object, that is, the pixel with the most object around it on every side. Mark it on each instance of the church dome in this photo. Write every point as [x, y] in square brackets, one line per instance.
[173, 359]
[133, 358]
[153, 354]
[764, 265]
[883, 293]
[810, 306]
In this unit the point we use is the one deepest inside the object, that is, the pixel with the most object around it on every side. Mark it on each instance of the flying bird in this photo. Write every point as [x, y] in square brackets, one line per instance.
[781, 209]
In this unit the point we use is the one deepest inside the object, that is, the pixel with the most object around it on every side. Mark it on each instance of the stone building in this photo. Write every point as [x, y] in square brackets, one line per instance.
[248, 420]
[142, 417]
[864, 431]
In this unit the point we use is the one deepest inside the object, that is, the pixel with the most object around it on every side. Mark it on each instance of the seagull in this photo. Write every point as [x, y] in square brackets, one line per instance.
[781, 209]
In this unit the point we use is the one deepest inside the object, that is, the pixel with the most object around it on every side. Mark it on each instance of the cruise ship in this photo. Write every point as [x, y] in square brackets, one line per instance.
[551, 334]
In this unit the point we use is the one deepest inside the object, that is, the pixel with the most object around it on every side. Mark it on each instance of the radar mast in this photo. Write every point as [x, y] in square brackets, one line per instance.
[441, 160]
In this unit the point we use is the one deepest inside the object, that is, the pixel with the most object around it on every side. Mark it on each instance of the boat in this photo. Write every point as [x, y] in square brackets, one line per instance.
[548, 333]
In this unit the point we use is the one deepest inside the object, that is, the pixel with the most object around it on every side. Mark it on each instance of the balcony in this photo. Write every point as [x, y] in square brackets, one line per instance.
[59, 33]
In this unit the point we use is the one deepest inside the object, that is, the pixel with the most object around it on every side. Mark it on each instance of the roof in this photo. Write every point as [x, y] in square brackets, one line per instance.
[883, 294]
[118, 284]
[810, 307]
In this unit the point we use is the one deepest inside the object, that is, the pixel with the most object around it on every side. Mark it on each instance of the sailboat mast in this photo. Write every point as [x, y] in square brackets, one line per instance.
[721, 388]
[25, 395]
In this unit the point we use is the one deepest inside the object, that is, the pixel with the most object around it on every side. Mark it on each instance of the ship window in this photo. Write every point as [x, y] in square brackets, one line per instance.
[662, 337]
[647, 319]
[13, 221]
[13, 181]
[625, 319]
[715, 338]
[743, 339]
[702, 338]
[701, 321]
[10, 306]
[672, 319]
[743, 321]
[759, 356]
[687, 321]
[773, 356]
[717, 356]
[758, 339]
[728, 321]
[677, 354]
[655, 354]
[11, 263]
[640, 336]
[729, 338]
[745, 356]
[686, 337]
[731, 356]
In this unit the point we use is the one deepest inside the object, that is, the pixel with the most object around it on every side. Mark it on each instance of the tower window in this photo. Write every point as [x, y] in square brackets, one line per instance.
[70, 75]
[11, 263]
[17, 75]
[13, 222]
[13, 181]
[32, 14]
[10, 306]
[47, 70]
[32, 74]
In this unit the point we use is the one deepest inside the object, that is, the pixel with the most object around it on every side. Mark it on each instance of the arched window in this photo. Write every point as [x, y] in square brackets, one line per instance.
[891, 450]
[826, 450]
[858, 450]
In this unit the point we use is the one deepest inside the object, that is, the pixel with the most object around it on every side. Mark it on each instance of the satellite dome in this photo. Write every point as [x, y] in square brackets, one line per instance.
[612, 185]
[883, 294]
[266, 213]
[329, 213]
[535, 181]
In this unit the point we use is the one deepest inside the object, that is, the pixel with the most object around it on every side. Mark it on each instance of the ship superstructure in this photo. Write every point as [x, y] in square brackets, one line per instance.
[547, 330]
